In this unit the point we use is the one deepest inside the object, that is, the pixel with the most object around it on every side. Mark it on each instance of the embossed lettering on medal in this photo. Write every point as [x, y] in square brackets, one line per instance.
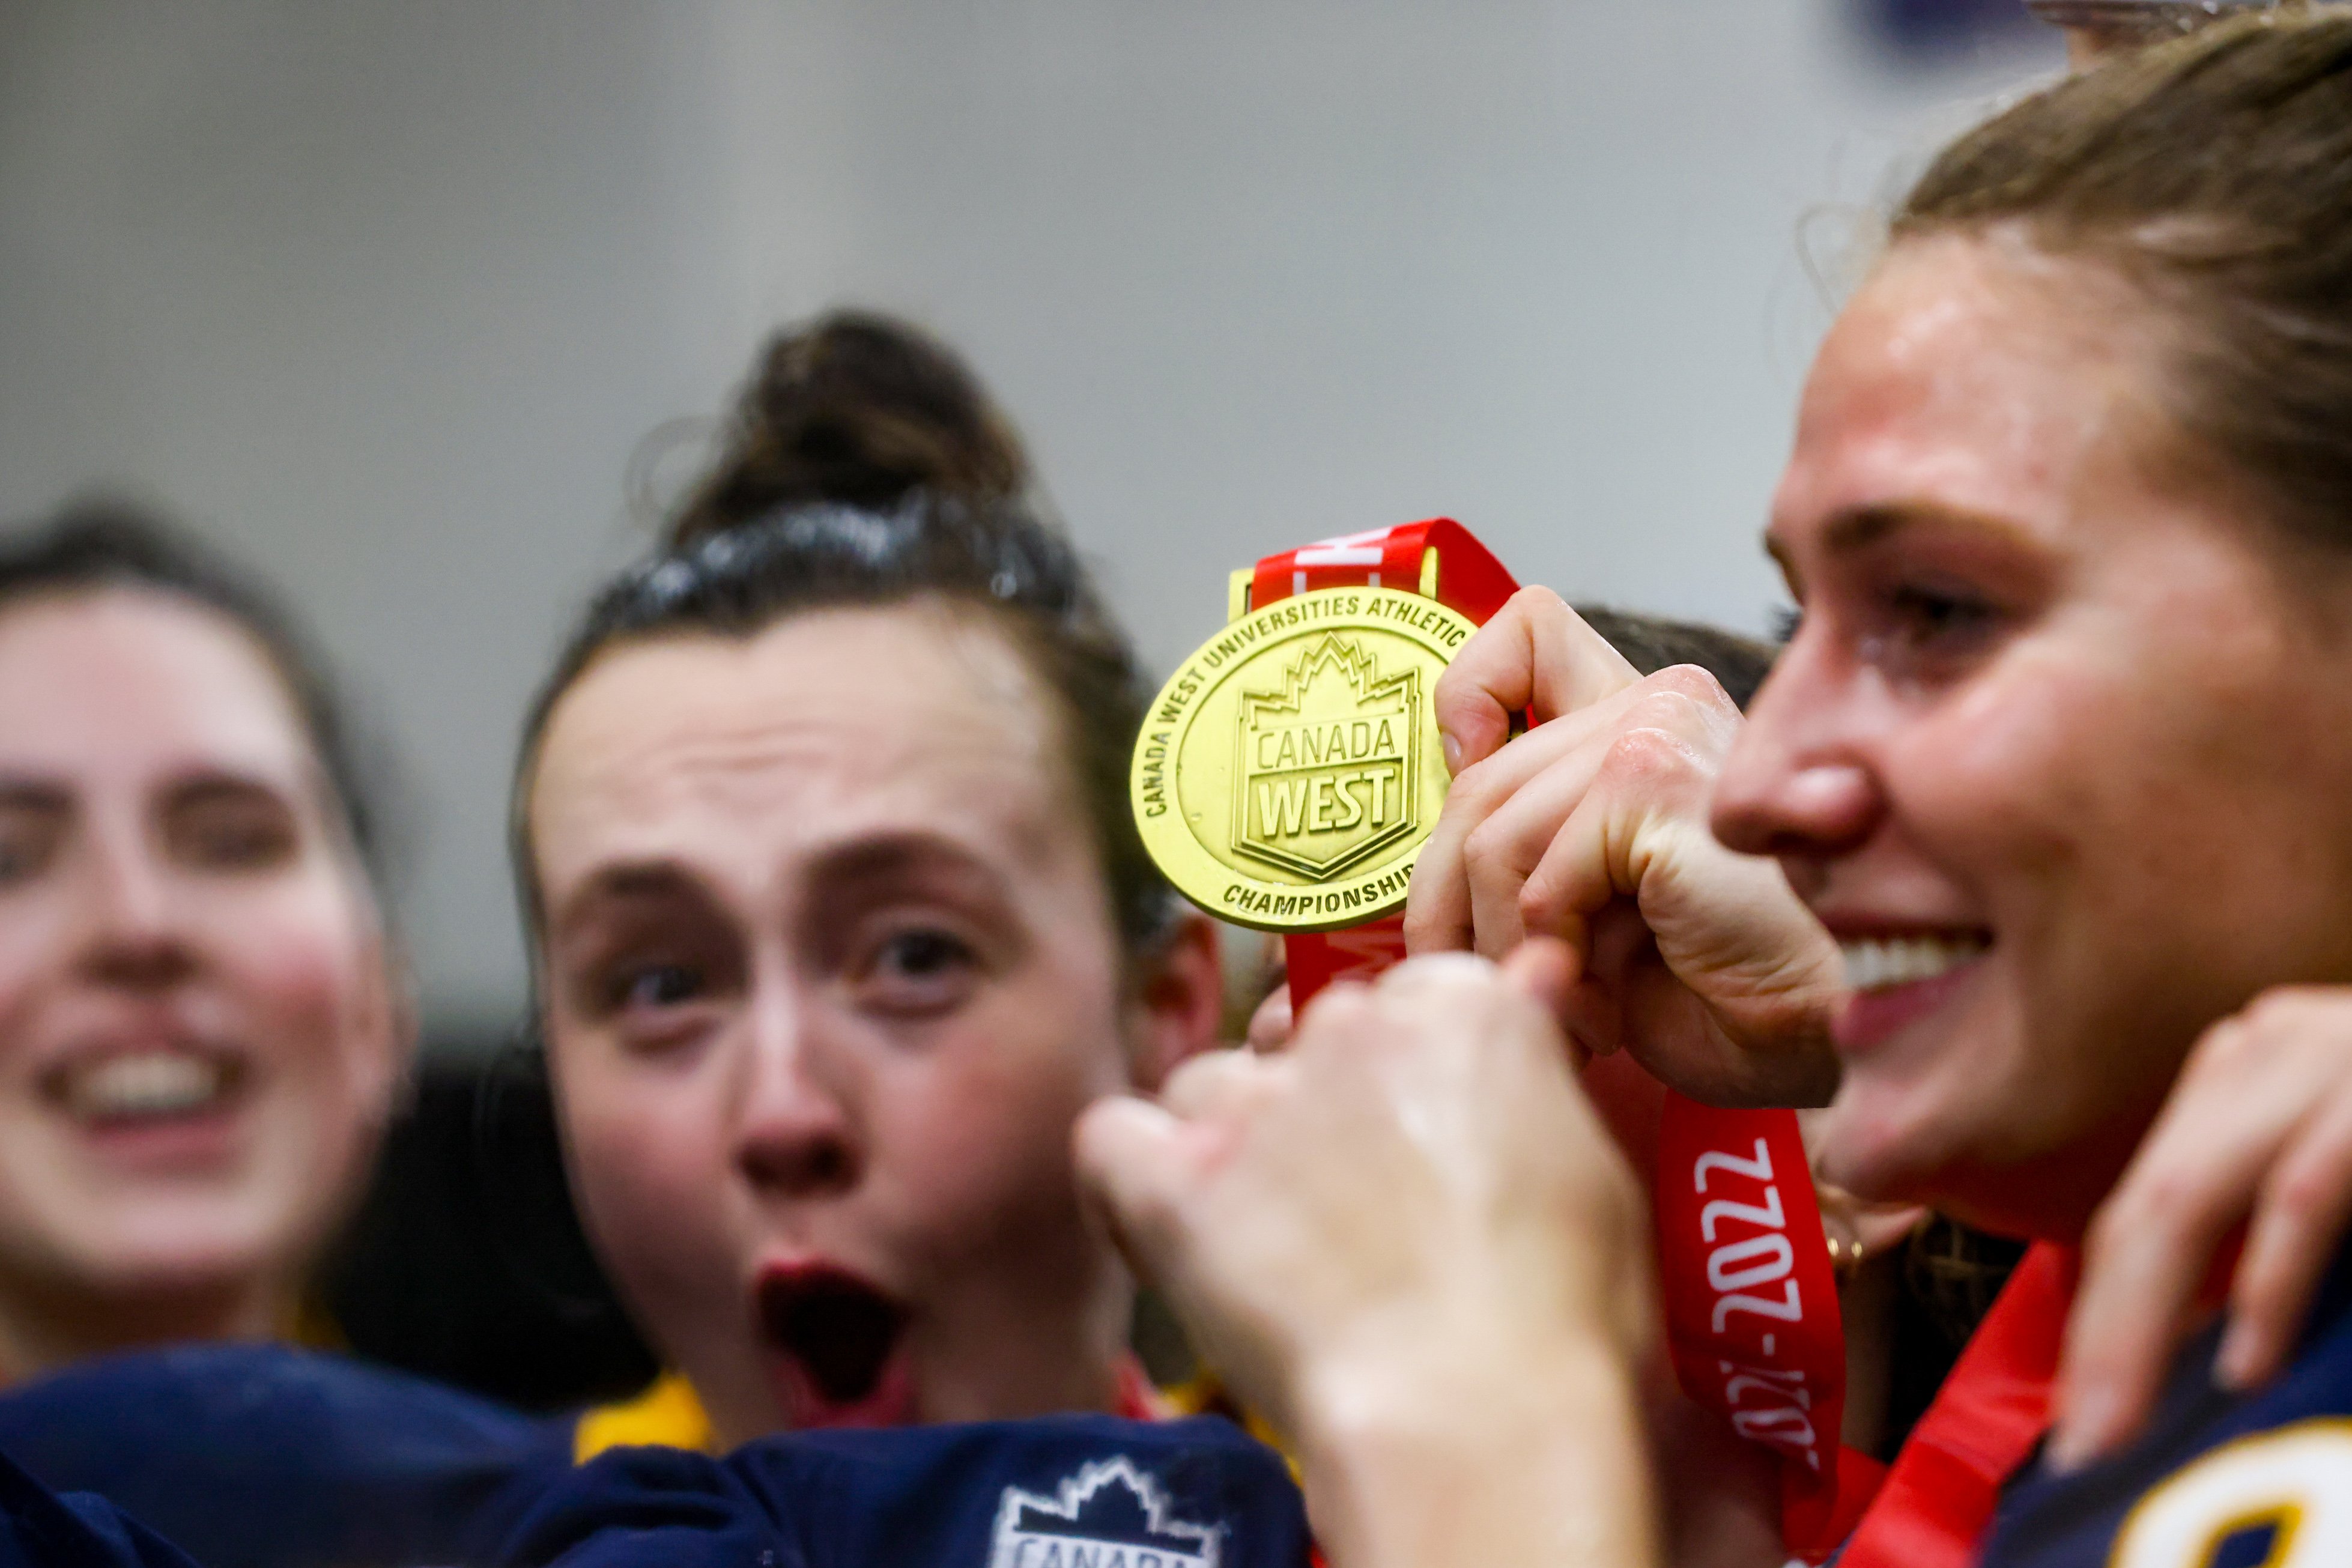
[1289, 772]
[1327, 775]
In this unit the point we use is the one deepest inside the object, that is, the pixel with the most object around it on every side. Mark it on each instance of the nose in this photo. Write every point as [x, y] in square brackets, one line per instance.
[795, 1134]
[1798, 784]
[134, 937]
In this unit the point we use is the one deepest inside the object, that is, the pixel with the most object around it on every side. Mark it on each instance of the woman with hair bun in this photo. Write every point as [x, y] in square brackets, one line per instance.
[839, 917]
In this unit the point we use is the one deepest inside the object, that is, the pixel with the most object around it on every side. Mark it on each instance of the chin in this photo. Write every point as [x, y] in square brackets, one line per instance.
[189, 1250]
[1886, 1141]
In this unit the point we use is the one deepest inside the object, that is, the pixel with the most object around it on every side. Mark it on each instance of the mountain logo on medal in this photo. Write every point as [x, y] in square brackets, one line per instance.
[1328, 762]
[1108, 1515]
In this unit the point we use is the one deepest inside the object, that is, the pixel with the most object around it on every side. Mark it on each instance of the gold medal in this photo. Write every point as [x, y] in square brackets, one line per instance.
[1288, 774]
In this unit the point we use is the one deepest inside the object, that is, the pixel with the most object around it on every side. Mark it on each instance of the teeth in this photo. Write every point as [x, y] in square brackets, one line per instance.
[1876, 963]
[154, 1083]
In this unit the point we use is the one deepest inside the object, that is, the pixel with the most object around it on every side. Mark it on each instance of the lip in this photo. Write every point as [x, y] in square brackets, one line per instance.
[1868, 1020]
[799, 1293]
[171, 1140]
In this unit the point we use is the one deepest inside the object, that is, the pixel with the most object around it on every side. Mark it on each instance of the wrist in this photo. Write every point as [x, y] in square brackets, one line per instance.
[1539, 1457]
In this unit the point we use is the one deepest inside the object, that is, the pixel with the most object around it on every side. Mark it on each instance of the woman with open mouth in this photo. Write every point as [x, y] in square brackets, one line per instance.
[200, 1029]
[838, 919]
[2057, 775]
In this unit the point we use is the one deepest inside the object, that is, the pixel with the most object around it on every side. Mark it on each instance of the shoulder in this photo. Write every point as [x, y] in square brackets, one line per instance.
[263, 1453]
[2264, 1478]
[1056, 1492]
[39, 1529]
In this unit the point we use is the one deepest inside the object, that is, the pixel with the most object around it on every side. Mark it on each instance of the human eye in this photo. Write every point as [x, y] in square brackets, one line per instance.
[651, 987]
[1928, 630]
[916, 970]
[234, 832]
[28, 840]
[654, 1004]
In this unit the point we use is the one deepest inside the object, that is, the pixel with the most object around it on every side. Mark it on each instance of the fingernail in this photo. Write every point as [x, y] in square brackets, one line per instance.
[1453, 752]
[2234, 1364]
[2079, 1435]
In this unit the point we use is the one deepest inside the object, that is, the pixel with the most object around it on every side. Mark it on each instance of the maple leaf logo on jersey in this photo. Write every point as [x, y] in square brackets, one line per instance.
[1108, 1515]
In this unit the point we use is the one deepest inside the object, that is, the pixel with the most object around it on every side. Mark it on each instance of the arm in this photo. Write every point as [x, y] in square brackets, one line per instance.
[1408, 1242]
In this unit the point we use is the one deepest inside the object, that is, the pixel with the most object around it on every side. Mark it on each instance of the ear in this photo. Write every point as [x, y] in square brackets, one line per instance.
[1179, 1002]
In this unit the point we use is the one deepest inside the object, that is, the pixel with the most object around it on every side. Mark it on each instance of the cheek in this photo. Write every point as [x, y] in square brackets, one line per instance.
[976, 1130]
[649, 1166]
[31, 959]
[302, 979]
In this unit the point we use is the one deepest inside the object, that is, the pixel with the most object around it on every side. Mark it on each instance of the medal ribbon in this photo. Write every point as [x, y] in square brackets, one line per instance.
[1750, 1301]
[1939, 1499]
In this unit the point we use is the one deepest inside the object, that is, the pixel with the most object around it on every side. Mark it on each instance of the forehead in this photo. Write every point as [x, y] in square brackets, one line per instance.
[728, 752]
[1972, 372]
[130, 678]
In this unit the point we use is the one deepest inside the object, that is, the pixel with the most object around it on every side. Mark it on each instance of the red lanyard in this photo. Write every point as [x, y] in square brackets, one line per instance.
[1751, 1303]
[1939, 1499]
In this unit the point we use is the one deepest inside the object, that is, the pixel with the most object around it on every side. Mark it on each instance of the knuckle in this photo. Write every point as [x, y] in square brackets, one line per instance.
[1645, 754]
[1535, 603]
[2302, 1192]
[1477, 789]
[2226, 1048]
[1489, 848]
[2110, 1229]
[1694, 683]
[2166, 1198]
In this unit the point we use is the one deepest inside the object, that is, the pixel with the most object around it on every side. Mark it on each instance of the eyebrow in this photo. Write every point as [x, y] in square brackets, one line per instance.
[893, 856]
[33, 795]
[1855, 528]
[623, 881]
[200, 788]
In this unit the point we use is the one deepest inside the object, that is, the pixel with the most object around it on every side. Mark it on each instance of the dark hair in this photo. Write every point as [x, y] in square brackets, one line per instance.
[1652, 642]
[858, 409]
[95, 544]
[869, 469]
[2213, 174]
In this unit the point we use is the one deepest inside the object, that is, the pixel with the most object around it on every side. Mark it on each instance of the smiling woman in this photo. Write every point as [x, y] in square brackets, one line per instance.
[200, 1032]
[2055, 777]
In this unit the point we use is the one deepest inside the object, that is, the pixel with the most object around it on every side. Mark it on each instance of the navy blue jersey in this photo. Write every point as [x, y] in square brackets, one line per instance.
[260, 1455]
[1062, 1491]
[41, 1529]
[263, 1456]
[2218, 1482]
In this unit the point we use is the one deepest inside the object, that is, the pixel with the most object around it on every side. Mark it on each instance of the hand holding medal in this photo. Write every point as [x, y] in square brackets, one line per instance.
[1290, 777]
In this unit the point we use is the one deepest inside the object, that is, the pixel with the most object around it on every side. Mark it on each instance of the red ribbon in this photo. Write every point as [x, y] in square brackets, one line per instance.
[1750, 1301]
[1939, 1499]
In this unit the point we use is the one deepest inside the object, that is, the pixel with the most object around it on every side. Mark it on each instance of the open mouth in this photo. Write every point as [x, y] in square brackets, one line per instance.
[1898, 980]
[1883, 963]
[835, 1335]
[144, 1088]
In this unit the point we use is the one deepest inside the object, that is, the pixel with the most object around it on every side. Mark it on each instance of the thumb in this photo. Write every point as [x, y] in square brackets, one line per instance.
[1134, 1166]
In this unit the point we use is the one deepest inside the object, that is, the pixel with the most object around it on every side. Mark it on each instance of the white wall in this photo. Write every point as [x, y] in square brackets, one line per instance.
[384, 293]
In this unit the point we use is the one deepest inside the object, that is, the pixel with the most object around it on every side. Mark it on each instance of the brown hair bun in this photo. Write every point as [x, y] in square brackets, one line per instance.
[858, 409]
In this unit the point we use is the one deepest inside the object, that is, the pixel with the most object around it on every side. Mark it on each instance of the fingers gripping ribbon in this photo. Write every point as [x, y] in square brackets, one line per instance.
[1750, 1302]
